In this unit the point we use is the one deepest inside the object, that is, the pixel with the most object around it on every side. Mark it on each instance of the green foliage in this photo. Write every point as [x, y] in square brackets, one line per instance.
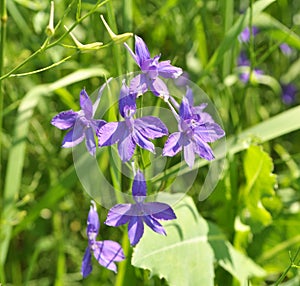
[258, 196]
[188, 253]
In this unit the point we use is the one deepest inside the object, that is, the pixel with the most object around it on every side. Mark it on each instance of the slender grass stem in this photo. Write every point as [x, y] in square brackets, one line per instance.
[3, 16]
[47, 45]
[2, 47]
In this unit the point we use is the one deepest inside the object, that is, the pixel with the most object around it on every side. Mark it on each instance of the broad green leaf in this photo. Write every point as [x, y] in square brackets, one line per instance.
[187, 255]
[259, 189]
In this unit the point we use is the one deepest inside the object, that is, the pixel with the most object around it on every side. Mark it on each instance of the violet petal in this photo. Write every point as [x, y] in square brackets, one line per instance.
[172, 145]
[119, 214]
[154, 225]
[151, 127]
[135, 230]
[64, 120]
[86, 104]
[86, 266]
[141, 51]
[166, 70]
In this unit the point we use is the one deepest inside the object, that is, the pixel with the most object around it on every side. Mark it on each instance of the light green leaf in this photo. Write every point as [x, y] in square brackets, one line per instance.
[259, 189]
[187, 255]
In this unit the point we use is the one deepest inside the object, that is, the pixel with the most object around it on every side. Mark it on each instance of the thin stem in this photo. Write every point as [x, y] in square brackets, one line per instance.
[46, 45]
[2, 47]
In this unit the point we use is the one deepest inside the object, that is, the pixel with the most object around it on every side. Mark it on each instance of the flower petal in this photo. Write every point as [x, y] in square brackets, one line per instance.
[189, 154]
[141, 50]
[139, 187]
[73, 137]
[135, 230]
[96, 124]
[110, 133]
[107, 252]
[64, 120]
[138, 85]
[126, 147]
[93, 223]
[166, 70]
[185, 111]
[159, 210]
[86, 265]
[127, 105]
[203, 149]
[142, 141]
[90, 141]
[209, 132]
[86, 104]
[151, 127]
[154, 224]
[172, 145]
[119, 214]
[159, 88]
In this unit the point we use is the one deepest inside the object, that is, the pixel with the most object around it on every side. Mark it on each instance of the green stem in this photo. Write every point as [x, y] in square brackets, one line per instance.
[3, 15]
[116, 48]
[2, 47]
[228, 11]
[46, 45]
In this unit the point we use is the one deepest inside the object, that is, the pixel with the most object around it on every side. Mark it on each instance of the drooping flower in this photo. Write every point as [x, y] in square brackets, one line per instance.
[196, 129]
[130, 132]
[81, 124]
[140, 212]
[151, 70]
[106, 252]
[289, 92]
[244, 36]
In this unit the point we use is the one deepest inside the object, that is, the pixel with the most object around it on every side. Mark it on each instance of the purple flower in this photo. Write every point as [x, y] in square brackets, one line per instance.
[285, 49]
[289, 92]
[83, 121]
[244, 36]
[130, 132]
[196, 128]
[106, 252]
[139, 213]
[151, 68]
[244, 64]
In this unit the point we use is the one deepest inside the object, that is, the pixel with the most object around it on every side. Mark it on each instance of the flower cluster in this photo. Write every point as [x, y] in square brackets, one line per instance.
[196, 129]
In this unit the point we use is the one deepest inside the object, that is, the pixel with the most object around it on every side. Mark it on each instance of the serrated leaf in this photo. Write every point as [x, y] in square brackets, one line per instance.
[259, 188]
[187, 255]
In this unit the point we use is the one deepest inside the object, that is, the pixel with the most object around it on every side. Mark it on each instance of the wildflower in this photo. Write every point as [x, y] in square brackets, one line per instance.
[244, 36]
[130, 132]
[151, 68]
[139, 213]
[196, 128]
[106, 252]
[81, 124]
[285, 49]
[289, 92]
